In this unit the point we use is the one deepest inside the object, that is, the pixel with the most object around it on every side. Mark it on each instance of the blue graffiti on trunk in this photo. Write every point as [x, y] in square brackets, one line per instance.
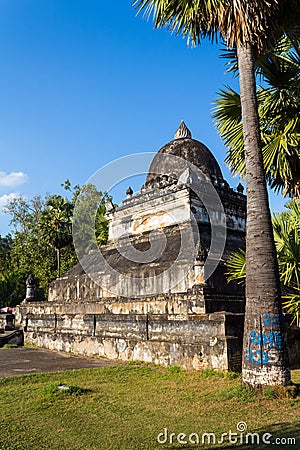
[265, 341]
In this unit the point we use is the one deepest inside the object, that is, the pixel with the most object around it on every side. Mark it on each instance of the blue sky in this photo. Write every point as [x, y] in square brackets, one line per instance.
[84, 82]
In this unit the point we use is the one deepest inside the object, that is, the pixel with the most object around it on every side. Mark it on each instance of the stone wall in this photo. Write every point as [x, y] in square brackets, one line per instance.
[190, 340]
[168, 332]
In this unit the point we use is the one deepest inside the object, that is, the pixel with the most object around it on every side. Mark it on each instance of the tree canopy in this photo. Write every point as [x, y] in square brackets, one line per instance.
[41, 241]
[279, 113]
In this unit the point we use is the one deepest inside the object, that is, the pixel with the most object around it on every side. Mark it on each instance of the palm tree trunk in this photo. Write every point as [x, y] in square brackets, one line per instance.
[265, 354]
[58, 261]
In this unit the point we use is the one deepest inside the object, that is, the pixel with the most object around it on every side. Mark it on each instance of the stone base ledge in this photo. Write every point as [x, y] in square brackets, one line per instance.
[188, 355]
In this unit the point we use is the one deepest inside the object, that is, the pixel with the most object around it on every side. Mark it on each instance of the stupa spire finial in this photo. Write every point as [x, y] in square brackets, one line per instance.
[183, 131]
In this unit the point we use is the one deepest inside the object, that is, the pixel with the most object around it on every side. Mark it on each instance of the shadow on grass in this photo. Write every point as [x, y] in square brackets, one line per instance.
[62, 391]
[281, 435]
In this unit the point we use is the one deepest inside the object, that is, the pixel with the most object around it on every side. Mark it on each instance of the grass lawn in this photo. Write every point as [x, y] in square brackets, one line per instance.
[125, 408]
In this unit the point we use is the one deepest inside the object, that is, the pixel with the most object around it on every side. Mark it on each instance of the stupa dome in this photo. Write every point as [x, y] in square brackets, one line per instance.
[189, 149]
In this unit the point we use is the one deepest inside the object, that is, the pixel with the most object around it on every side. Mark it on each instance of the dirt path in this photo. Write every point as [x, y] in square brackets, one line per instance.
[24, 360]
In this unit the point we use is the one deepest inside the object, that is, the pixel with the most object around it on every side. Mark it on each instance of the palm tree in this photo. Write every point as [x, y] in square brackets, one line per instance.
[55, 226]
[248, 26]
[286, 226]
[278, 108]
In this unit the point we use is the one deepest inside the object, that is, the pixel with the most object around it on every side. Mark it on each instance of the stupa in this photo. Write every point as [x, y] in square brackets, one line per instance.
[159, 291]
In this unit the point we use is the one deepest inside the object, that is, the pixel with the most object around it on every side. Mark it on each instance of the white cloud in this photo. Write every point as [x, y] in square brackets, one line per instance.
[4, 199]
[12, 179]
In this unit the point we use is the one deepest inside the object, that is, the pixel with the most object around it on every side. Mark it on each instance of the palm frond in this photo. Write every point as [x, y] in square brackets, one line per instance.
[279, 112]
[237, 267]
[227, 116]
[238, 22]
[292, 305]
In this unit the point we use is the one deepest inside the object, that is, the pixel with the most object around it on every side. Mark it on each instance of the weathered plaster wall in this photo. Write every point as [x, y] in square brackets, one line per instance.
[137, 215]
[191, 340]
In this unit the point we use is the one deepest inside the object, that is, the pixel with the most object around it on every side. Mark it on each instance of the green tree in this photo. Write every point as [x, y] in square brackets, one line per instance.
[28, 254]
[55, 225]
[24, 213]
[88, 200]
[5, 259]
[287, 239]
[41, 242]
[5, 248]
[247, 26]
[278, 108]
